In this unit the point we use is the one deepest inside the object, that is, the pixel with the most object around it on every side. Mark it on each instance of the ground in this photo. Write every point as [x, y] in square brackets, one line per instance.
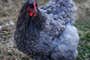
[84, 45]
[8, 17]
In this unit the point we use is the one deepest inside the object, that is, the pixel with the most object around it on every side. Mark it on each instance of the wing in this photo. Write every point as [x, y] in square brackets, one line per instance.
[67, 47]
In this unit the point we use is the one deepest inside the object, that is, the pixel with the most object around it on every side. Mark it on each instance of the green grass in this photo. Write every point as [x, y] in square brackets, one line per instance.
[84, 45]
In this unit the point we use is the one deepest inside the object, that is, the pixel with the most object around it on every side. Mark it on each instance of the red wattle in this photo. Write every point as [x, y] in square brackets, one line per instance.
[30, 14]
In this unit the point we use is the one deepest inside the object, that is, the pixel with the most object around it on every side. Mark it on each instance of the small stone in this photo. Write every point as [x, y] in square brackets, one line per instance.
[0, 28]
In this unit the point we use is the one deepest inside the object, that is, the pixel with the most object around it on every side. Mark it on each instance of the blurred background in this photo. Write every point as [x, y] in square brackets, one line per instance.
[9, 10]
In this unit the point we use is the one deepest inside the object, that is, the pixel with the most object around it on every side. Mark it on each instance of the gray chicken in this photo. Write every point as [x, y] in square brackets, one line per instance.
[47, 32]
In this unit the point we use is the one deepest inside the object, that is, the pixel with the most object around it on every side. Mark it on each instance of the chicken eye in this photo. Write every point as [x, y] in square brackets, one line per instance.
[31, 5]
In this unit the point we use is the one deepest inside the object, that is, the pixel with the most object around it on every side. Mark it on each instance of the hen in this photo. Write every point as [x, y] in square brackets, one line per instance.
[47, 32]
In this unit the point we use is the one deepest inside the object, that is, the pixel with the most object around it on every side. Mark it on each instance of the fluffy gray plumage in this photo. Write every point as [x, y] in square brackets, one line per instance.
[50, 35]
